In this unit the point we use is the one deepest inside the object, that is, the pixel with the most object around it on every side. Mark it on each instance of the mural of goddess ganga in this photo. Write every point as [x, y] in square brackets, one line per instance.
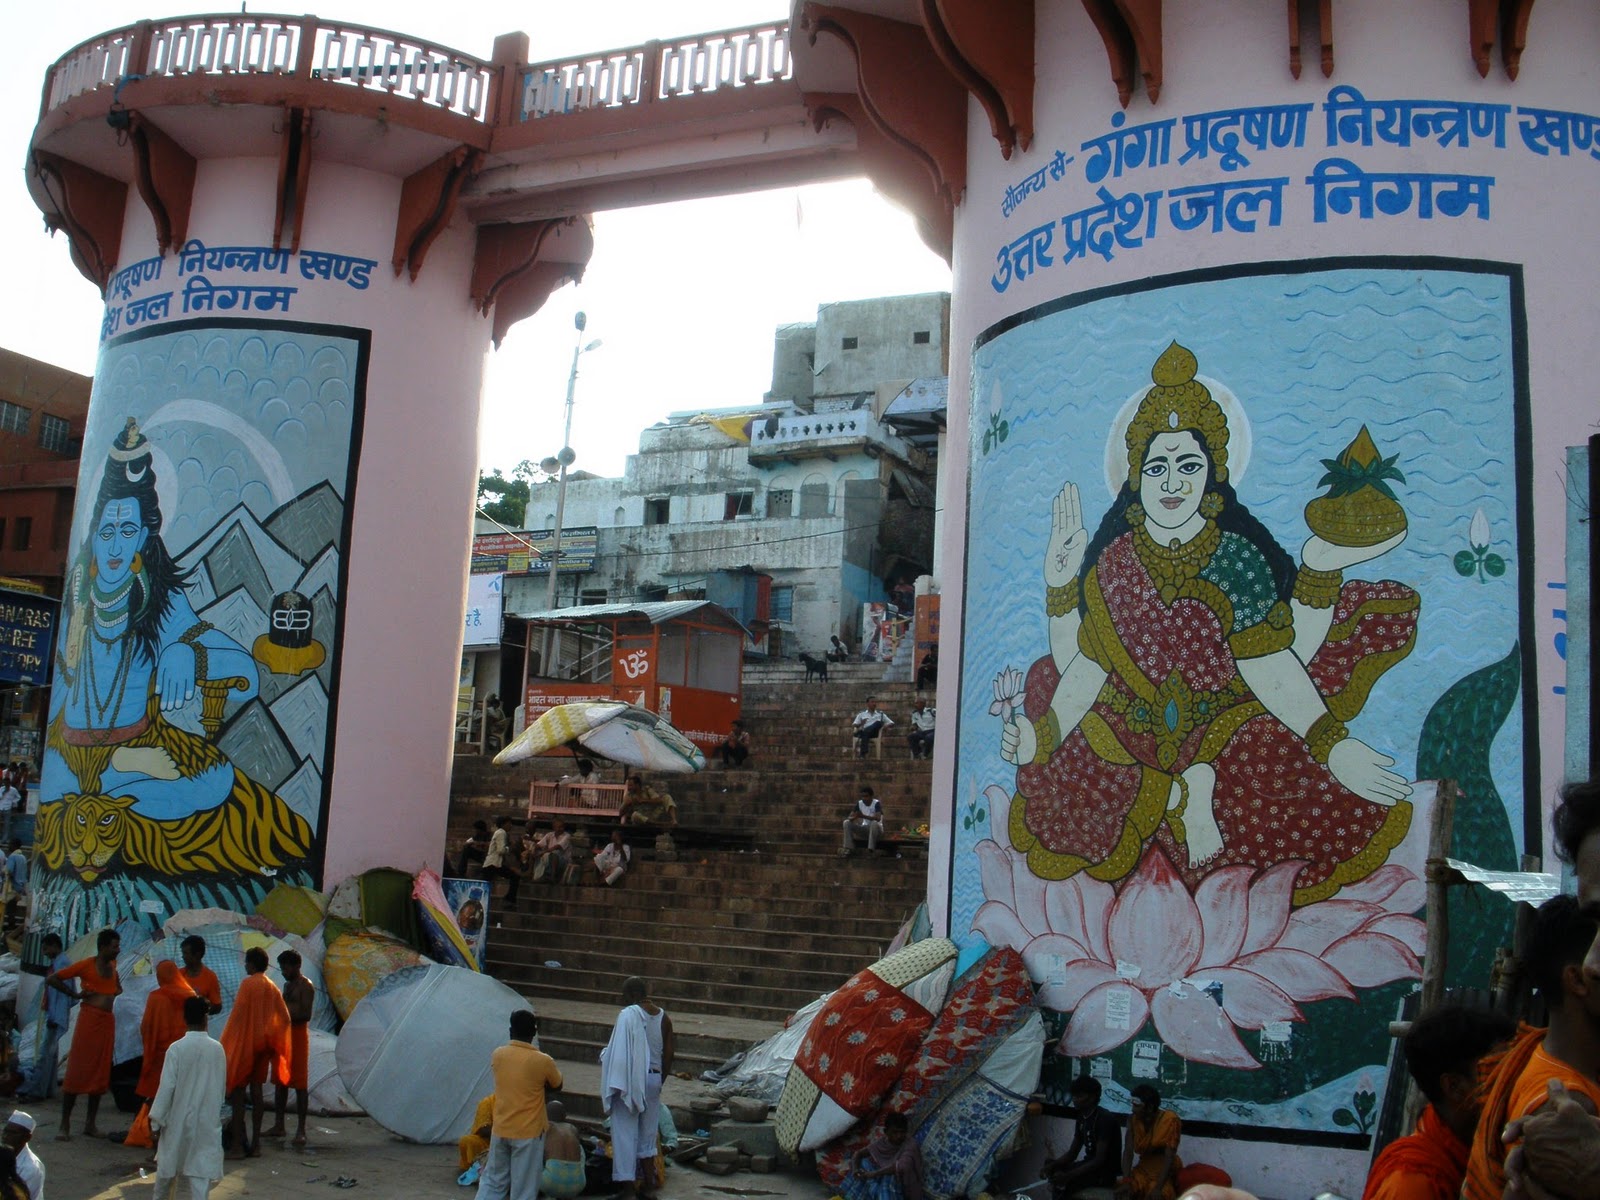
[1199, 684]
[125, 786]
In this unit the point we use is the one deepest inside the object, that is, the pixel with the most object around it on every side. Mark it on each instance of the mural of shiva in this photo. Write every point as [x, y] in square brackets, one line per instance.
[1200, 682]
[127, 791]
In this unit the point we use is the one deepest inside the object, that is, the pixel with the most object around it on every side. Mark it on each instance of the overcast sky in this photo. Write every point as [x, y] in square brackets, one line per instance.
[685, 297]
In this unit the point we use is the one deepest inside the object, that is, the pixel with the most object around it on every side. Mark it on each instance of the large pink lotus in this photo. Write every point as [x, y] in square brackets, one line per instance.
[1234, 955]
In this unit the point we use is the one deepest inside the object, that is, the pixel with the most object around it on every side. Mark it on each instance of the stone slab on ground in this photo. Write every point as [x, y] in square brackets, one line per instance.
[752, 1137]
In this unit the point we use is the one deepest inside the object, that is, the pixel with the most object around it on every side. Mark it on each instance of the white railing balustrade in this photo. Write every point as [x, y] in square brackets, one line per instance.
[818, 427]
[223, 46]
[245, 44]
[99, 63]
[387, 62]
[690, 66]
[604, 81]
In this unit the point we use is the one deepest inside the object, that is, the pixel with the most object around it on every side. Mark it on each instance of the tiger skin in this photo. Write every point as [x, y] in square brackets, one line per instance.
[253, 829]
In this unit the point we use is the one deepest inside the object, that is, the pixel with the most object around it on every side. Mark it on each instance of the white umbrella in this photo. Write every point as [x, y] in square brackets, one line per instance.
[624, 733]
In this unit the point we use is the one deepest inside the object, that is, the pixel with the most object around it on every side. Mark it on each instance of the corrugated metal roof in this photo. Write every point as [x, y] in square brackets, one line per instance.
[655, 611]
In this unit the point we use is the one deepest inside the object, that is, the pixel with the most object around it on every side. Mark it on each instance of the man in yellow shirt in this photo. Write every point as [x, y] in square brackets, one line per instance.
[522, 1073]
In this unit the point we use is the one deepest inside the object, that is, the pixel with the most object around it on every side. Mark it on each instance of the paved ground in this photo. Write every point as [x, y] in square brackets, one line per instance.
[353, 1147]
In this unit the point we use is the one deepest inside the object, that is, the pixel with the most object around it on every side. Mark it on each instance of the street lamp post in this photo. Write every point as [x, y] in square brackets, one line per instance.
[563, 459]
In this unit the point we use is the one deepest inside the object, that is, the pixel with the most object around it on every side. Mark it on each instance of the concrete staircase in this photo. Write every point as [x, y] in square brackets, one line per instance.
[733, 941]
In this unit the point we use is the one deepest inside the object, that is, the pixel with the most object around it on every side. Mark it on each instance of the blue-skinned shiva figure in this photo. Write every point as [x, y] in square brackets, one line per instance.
[125, 787]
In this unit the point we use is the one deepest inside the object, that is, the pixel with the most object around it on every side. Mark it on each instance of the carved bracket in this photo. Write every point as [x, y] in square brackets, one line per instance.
[988, 46]
[515, 267]
[894, 170]
[89, 206]
[1131, 31]
[1506, 20]
[1297, 11]
[905, 90]
[164, 175]
[294, 176]
[427, 202]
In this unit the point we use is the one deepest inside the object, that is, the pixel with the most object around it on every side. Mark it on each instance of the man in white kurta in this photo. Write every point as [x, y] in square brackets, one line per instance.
[187, 1111]
[632, 1067]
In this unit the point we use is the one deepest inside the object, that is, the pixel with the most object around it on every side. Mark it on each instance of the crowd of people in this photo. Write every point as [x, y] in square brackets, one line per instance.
[186, 1074]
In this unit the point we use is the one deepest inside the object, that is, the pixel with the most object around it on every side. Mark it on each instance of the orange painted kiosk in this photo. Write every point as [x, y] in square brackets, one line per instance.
[681, 659]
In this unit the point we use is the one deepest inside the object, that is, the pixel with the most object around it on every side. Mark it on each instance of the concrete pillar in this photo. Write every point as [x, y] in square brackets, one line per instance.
[262, 627]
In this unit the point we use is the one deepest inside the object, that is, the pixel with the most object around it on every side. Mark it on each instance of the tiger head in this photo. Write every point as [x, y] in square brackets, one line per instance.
[93, 828]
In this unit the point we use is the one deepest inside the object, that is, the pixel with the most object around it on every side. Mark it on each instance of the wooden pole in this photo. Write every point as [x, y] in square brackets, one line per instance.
[1438, 874]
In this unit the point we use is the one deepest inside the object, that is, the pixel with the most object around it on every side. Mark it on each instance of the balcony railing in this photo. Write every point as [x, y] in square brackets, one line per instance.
[692, 66]
[819, 427]
[241, 45]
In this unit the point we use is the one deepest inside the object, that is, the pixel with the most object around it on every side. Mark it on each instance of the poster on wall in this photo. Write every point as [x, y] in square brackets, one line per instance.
[469, 904]
[189, 747]
[1261, 536]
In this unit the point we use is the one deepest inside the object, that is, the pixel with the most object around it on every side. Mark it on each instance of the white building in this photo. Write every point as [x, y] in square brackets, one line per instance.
[791, 513]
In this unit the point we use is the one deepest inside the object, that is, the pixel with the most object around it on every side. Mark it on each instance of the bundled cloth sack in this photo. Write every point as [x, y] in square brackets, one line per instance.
[358, 961]
[761, 1071]
[293, 908]
[444, 938]
[860, 1042]
[415, 1052]
[992, 1000]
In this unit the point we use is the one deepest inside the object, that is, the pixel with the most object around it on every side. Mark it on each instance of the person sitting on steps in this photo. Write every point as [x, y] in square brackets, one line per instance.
[870, 722]
[867, 820]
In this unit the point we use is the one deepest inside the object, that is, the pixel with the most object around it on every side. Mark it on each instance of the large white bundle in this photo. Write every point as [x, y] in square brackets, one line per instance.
[415, 1052]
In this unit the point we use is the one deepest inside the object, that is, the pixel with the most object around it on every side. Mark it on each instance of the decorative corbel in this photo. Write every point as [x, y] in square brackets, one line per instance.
[294, 176]
[1131, 31]
[89, 207]
[988, 46]
[1506, 20]
[516, 266]
[164, 175]
[905, 90]
[1297, 10]
[894, 170]
[427, 202]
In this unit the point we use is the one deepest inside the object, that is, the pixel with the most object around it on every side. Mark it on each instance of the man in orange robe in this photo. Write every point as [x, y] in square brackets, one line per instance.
[256, 1039]
[299, 996]
[200, 978]
[94, 1038]
[1568, 1052]
[1442, 1051]
[162, 1025]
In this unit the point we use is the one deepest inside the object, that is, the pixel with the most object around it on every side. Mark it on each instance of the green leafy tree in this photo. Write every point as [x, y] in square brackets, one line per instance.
[506, 500]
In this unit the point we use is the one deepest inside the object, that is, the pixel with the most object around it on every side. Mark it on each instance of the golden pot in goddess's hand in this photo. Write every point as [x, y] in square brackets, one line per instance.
[1359, 508]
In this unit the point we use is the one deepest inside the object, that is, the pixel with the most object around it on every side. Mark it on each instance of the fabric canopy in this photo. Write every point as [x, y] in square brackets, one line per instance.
[624, 733]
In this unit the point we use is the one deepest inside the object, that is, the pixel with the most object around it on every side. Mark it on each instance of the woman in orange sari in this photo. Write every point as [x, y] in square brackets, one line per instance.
[1153, 1136]
[163, 1024]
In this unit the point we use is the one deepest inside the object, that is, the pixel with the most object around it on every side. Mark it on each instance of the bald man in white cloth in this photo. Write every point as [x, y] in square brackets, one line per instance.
[632, 1067]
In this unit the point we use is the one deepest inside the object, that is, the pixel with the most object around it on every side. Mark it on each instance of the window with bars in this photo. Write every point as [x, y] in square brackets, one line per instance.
[54, 433]
[13, 417]
[782, 606]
